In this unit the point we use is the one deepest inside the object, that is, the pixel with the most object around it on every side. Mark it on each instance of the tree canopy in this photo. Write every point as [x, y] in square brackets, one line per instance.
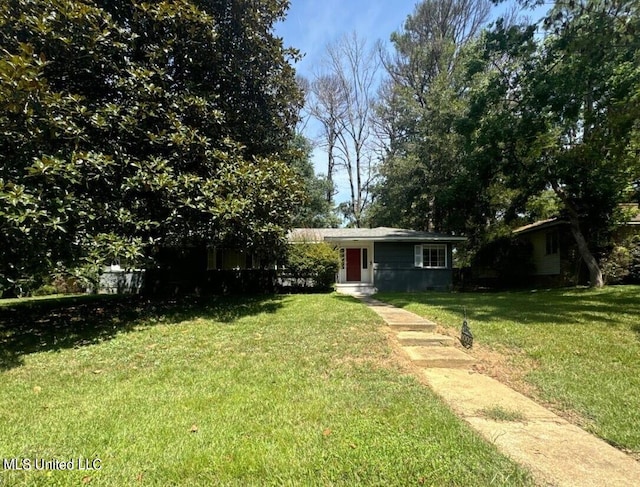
[484, 125]
[563, 114]
[125, 125]
[315, 209]
[423, 98]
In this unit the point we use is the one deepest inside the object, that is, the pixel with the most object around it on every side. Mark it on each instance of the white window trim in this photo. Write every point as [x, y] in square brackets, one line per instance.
[418, 253]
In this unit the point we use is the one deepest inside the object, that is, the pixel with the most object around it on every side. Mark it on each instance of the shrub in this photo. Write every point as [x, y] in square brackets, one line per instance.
[68, 284]
[312, 265]
[634, 257]
[622, 264]
[45, 290]
[511, 259]
[616, 266]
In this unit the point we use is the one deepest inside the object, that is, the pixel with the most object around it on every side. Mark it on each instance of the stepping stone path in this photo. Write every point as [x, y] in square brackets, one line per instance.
[417, 337]
[556, 452]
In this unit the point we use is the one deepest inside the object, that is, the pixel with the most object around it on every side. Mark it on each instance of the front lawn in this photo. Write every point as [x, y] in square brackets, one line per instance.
[295, 390]
[580, 347]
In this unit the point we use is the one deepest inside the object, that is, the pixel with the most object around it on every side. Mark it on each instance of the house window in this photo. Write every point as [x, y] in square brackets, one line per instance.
[211, 258]
[229, 259]
[365, 259]
[431, 256]
[552, 243]
[342, 258]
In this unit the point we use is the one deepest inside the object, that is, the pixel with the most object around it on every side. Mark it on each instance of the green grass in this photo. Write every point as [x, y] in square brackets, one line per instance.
[295, 390]
[498, 413]
[585, 345]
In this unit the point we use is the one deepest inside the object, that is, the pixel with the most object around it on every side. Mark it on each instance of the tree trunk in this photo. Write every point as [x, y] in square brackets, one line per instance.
[331, 164]
[595, 274]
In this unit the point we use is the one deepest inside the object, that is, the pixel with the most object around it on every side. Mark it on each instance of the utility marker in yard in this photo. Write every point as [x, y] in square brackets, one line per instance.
[466, 337]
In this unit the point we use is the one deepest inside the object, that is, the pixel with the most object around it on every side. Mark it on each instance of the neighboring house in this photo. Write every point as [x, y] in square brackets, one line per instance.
[550, 241]
[555, 255]
[387, 259]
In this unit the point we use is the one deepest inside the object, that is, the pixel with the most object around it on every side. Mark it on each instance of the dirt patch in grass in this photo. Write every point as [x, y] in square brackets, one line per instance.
[506, 366]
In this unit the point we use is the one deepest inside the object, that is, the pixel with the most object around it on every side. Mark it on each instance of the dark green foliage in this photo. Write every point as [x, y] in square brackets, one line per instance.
[510, 258]
[622, 262]
[516, 113]
[634, 266]
[312, 265]
[430, 182]
[315, 211]
[615, 266]
[562, 114]
[125, 126]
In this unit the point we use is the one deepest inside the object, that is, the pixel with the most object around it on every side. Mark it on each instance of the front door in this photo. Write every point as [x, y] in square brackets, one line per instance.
[353, 265]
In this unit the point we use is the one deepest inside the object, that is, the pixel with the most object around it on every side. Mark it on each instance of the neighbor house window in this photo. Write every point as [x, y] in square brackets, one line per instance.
[365, 259]
[431, 256]
[342, 258]
[552, 242]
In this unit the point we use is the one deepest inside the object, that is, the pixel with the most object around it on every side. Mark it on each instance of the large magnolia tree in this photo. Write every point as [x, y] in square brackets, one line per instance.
[125, 125]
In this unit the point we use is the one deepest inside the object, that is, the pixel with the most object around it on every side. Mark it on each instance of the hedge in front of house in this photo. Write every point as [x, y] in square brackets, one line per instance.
[312, 265]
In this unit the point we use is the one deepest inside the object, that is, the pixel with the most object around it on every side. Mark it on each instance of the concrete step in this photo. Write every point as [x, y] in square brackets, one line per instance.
[423, 326]
[422, 338]
[441, 357]
[399, 319]
[357, 290]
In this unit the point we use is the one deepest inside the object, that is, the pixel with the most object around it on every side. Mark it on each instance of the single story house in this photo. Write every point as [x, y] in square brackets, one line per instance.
[387, 259]
[373, 259]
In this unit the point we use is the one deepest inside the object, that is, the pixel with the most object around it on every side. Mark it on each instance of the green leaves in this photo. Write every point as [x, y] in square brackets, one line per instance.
[430, 182]
[148, 122]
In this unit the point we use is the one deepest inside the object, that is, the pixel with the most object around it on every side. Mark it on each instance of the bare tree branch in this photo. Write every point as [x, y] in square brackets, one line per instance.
[344, 105]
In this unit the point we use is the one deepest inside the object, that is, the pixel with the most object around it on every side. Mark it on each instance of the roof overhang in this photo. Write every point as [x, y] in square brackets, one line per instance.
[440, 238]
[541, 225]
[380, 234]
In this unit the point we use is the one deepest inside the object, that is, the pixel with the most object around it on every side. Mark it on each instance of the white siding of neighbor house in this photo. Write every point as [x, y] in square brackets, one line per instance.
[546, 265]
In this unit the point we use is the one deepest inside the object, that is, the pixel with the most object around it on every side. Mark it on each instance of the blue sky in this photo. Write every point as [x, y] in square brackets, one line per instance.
[311, 25]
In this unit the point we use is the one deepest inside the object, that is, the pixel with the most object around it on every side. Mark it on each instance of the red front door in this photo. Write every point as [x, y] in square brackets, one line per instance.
[353, 265]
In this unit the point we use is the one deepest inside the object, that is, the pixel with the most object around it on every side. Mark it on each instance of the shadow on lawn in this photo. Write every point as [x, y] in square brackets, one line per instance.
[53, 324]
[560, 307]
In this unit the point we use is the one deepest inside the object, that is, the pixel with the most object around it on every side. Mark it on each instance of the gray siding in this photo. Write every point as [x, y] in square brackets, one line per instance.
[394, 269]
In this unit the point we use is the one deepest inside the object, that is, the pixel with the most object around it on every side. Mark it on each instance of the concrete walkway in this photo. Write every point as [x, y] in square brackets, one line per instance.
[557, 452]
